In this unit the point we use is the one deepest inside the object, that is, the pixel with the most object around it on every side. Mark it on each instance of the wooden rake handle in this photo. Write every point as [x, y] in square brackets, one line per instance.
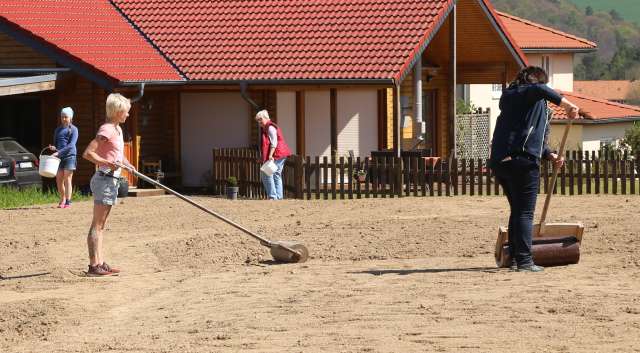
[554, 177]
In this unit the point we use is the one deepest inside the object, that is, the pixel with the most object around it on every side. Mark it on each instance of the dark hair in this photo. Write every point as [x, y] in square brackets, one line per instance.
[530, 75]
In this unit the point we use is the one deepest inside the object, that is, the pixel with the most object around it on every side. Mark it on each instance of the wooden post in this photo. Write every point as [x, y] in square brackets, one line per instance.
[334, 180]
[397, 113]
[350, 176]
[453, 43]
[317, 168]
[580, 181]
[307, 177]
[480, 177]
[325, 176]
[588, 162]
[341, 177]
[300, 123]
[358, 183]
[472, 177]
[455, 176]
[464, 176]
[367, 185]
[333, 107]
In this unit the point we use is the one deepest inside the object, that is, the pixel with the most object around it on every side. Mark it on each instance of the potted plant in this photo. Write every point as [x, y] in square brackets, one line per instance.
[360, 175]
[232, 188]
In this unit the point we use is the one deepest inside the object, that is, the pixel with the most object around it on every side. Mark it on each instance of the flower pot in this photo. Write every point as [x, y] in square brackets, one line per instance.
[123, 187]
[232, 192]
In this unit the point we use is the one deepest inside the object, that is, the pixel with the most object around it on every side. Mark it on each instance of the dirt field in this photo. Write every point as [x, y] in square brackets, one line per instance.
[408, 275]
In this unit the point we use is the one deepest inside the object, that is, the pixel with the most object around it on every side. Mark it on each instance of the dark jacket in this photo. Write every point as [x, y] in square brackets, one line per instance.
[523, 124]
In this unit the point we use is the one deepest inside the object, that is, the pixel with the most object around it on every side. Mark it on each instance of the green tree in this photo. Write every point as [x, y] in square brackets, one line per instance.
[632, 138]
[588, 11]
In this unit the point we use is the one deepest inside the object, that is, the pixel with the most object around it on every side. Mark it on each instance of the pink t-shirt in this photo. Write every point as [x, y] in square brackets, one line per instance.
[112, 149]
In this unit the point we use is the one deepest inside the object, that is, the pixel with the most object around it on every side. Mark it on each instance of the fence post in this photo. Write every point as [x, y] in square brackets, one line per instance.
[334, 180]
[454, 178]
[472, 177]
[367, 179]
[464, 176]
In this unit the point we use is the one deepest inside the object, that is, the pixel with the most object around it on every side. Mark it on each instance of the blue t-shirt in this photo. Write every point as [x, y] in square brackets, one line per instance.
[523, 123]
[65, 139]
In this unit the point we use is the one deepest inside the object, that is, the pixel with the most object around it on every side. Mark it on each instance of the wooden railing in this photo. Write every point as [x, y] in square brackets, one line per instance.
[338, 178]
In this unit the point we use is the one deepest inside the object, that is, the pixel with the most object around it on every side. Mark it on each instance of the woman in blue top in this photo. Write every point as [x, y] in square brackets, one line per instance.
[65, 138]
[519, 142]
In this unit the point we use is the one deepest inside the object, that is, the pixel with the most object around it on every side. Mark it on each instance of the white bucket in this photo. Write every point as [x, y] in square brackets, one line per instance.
[48, 166]
[269, 167]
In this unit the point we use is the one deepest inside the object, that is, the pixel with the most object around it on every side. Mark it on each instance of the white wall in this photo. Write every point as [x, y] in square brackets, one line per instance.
[561, 69]
[357, 122]
[317, 123]
[593, 134]
[207, 121]
[286, 113]
[483, 97]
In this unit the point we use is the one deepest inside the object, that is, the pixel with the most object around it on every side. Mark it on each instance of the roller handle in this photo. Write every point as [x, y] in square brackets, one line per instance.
[262, 240]
[554, 177]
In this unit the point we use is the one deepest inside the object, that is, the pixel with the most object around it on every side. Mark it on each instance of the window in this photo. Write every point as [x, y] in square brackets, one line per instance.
[546, 65]
[496, 91]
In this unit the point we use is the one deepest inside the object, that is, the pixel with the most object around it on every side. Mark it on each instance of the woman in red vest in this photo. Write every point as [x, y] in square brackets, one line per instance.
[274, 148]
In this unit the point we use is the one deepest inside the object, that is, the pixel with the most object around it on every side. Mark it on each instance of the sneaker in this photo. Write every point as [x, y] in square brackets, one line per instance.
[66, 205]
[109, 268]
[68, 202]
[61, 205]
[97, 271]
[531, 268]
[514, 265]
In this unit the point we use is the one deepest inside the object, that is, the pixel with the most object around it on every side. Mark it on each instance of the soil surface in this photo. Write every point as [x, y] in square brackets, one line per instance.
[385, 275]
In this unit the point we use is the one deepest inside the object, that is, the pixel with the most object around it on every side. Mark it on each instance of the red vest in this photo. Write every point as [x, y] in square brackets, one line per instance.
[282, 149]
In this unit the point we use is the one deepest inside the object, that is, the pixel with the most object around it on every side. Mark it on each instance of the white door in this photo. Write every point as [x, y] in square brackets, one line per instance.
[208, 121]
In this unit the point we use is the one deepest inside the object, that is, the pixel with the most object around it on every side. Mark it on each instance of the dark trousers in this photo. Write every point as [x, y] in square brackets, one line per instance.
[519, 179]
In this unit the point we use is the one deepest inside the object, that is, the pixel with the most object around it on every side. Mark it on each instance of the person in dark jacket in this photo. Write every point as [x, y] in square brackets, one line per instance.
[519, 143]
[65, 138]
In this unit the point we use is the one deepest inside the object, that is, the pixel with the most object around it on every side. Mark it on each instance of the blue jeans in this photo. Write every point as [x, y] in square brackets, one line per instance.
[273, 184]
[519, 179]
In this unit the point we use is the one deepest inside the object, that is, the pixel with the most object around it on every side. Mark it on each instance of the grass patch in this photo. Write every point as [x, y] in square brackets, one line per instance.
[15, 198]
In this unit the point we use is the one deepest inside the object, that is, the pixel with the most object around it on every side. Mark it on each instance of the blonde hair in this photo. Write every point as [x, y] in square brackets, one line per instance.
[117, 103]
[264, 114]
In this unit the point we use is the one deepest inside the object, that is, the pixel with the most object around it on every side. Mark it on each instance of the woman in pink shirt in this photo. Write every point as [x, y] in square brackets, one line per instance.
[106, 151]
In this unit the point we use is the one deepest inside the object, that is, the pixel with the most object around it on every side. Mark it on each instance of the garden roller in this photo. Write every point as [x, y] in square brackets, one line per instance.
[281, 251]
[554, 244]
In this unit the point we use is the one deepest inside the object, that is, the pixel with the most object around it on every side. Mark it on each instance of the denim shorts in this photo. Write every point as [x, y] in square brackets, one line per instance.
[104, 189]
[68, 163]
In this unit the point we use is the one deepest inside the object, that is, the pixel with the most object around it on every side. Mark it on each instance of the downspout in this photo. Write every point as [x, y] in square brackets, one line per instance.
[419, 129]
[140, 95]
[243, 93]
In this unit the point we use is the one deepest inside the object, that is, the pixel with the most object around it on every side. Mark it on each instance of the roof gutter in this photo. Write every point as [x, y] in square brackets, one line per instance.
[32, 71]
[268, 82]
[558, 50]
[598, 121]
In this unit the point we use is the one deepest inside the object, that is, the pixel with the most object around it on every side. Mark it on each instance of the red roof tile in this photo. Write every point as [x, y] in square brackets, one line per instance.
[605, 89]
[530, 35]
[91, 31]
[597, 109]
[287, 39]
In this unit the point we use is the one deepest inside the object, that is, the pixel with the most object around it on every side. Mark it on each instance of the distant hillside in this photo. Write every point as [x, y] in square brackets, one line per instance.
[627, 9]
[618, 55]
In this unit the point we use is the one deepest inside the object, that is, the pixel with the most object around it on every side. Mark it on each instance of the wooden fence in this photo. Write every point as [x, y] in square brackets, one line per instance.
[348, 178]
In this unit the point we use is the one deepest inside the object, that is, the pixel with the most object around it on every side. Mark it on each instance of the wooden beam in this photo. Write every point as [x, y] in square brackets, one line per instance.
[382, 119]
[333, 106]
[397, 137]
[27, 88]
[452, 81]
[300, 124]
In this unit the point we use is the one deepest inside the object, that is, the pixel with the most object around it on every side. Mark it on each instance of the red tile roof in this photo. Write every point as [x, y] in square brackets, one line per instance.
[599, 110]
[89, 31]
[609, 89]
[530, 35]
[288, 39]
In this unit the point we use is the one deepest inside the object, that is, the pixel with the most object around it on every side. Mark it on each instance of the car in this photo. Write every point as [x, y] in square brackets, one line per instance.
[23, 163]
[6, 172]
